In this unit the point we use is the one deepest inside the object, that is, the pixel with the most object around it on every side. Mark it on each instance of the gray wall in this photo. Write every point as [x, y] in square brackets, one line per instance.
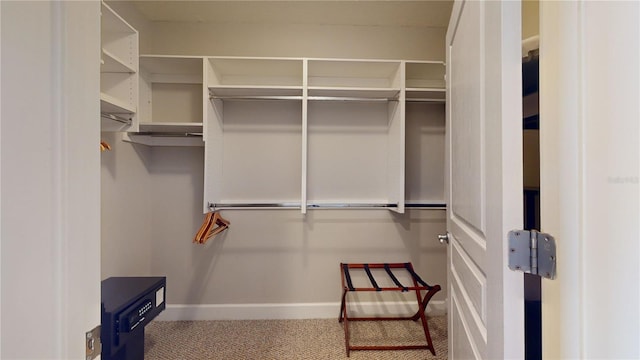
[266, 256]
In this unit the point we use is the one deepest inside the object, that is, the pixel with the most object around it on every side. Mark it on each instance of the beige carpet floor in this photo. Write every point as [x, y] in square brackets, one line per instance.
[288, 339]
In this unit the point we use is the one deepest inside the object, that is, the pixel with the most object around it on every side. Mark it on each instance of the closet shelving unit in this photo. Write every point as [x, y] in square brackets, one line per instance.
[425, 81]
[424, 121]
[354, 134]
[118, 72]
[253, 133]
[172, 102]
[298, 133]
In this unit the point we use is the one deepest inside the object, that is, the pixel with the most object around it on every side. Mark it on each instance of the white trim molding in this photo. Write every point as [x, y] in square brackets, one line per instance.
[191, 312]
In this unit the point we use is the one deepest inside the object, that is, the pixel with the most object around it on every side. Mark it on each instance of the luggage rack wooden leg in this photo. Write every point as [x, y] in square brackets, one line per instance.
[418, 286]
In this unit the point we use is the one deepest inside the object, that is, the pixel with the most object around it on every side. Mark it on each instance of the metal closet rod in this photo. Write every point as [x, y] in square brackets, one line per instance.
[425, 100]
[116, 118]
[430, 205]
[213, 206]
[297, 97]
[433, 206]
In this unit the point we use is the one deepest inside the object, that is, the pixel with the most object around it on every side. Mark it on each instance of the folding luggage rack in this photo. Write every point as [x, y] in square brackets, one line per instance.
[418, 286]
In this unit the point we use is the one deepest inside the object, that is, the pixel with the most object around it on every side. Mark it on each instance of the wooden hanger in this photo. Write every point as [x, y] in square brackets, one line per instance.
[104, 146]
[212, 225]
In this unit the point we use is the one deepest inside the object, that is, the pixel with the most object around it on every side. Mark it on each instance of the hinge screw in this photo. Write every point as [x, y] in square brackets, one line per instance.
[89, 335]
[552, 258]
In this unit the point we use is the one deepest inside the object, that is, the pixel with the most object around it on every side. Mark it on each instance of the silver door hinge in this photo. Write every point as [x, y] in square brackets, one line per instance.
[532, 252]
[93, 343]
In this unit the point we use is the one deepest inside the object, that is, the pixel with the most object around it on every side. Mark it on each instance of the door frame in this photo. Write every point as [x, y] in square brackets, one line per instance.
[50, 197]
[589, 136]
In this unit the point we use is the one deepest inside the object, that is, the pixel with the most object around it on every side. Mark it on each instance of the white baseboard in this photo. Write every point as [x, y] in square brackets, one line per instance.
[182, 312]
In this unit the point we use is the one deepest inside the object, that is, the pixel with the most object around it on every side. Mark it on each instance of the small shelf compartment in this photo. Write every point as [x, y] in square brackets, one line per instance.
[250, 77]
[354, 78]
[171, 101]
[424, 81]
[425, 151]
[112, 105]
[355, 155]
[258, 144]
[118, 71]
[113, 64]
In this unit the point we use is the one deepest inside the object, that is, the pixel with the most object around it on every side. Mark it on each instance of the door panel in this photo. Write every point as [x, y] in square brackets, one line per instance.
[466, 140]
[463, 346]
[466, 272]
[465, 221]
[484, 179]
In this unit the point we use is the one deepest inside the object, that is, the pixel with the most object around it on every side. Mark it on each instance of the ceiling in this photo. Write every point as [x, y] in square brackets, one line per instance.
[422, 13]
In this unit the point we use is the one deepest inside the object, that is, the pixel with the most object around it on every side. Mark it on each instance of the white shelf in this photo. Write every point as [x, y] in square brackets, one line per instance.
[112, 64]
[174, 65]
[167, 134]
[172, 69]
[112, 105]
[249, 91]
[172, 127]
[255, 72]
[427, 94]
[425, 75]
[118, 69]
[354, 74]
[354, 92]
[171, 94]
[163, 140]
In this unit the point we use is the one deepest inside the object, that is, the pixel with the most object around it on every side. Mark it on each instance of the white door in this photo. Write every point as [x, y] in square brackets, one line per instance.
[50, 195]
[484, 184]
[590, 153]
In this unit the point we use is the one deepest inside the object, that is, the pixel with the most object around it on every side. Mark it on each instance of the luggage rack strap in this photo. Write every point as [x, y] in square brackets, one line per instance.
[415, 276]
[371, 279]
[419, 284]
[345, 269]
[394, 279]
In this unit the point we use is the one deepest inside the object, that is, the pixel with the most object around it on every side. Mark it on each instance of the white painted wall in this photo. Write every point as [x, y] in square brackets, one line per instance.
[299, 40]
[274, 257]
[126, 230]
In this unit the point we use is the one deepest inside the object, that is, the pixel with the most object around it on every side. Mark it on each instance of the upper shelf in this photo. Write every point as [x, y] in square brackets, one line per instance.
[229, 77]
[172, 69]
[113, 64]
[247, 77]
[354, 74]
[118, 71]
[112, 105]
[241, 91]
[425, 81]
[251, 72]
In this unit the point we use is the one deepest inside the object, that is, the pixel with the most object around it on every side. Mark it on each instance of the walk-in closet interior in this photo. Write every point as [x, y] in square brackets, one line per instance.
[315, 128]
